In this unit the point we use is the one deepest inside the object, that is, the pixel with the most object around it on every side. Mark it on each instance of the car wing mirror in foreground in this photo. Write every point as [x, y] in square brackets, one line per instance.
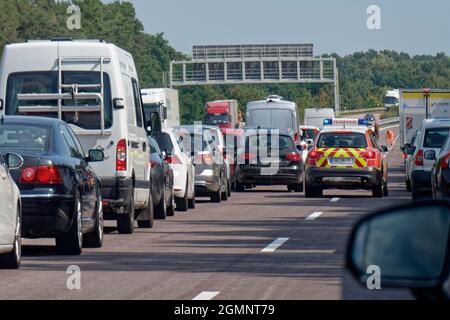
[408, 245]
[95, 155]
[13, 160]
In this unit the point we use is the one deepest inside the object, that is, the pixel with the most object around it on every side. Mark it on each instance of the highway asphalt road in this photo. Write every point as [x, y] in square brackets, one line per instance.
[219, 252]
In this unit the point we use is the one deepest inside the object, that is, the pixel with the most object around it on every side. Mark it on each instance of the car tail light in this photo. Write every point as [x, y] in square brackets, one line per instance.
[314, 156]
[41, 175]
[304, 146]
[247, 156]
[294, 156]
[296, 136]
[405, 155]
[174, 159]
[369, 154]
[443, 162]
[152, 163]
[121, 158]
[418, 158]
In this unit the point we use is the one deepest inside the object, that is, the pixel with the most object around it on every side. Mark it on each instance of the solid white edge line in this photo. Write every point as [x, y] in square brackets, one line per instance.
[275, 245]
[206, 295]
[314, 216]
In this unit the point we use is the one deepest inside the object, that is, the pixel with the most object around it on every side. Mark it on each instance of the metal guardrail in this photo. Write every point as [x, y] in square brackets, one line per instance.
[389, 121]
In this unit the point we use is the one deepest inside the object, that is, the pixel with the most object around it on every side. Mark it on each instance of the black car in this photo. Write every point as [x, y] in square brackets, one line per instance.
[440, 174]
[162, 182]
[268, 159]
[61, 195]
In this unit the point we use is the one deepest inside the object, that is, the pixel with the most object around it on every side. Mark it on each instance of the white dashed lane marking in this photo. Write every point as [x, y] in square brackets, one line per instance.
[206, 295]
[275, 245]
[314, 216]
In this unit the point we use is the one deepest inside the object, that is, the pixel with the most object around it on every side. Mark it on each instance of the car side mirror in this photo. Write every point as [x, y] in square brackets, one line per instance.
[13, 160]
[1, 104]
[309, 142]
[384, 149]
[430, 155]
[299, 148]
[409, 245]
[95, 155]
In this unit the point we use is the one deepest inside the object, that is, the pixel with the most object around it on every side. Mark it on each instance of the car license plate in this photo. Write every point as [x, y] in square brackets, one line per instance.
[341, 161]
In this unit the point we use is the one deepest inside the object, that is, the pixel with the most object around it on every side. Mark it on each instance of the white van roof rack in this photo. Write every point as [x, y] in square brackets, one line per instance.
[74, 93]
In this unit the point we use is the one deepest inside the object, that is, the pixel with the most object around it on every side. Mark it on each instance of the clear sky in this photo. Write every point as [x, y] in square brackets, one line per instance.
[412, 26]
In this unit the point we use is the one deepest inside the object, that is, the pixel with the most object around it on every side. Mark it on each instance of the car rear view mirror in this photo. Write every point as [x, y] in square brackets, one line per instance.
[96, 155]
[430, 155]
[408, 245]
[13, 160]
[384, 149]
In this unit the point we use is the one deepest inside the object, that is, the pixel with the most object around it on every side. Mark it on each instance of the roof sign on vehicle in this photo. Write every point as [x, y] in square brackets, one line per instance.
[345, 122]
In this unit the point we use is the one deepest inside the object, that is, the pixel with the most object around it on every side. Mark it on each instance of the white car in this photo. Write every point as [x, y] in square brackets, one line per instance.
[182, 166]
[10, 214]
[432, 137]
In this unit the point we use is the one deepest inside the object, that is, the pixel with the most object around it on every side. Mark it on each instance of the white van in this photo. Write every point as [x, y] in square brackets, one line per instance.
[274, 113]
[93, 86]
[315, 117]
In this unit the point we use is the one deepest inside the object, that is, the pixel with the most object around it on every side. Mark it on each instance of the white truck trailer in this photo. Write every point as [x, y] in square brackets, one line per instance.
[413, 110]
[164, 101]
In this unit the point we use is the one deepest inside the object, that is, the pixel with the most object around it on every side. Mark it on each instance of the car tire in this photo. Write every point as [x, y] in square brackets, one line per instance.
[94, 239]
[125, 221]
[385, 190]
[377, 191]
[216, 197]
[192, 202]
[310, 191]
[183, 203]
[229, 189]
[408, 185]
[149, 213]
[240, 187]
[171, 206]
[72, 242]
[224, 195]
[12, 260]
[160, 211]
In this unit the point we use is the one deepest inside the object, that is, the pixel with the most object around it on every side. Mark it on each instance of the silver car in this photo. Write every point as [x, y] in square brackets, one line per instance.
[210, 168]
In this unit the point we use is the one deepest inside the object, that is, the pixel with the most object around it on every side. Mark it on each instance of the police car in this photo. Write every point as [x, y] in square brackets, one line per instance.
[346, 155]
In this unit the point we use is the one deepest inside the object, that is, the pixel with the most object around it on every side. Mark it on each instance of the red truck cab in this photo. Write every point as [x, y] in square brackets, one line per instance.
[223, 114]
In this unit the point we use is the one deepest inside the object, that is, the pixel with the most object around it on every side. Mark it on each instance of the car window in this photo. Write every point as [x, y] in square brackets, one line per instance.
[77, 142]
[267, 141]
[374, 141]
[435, 137]
[342, 140]
[47, 82]
[137, 103]
[24, 137]
[75, 153]
[164, 142]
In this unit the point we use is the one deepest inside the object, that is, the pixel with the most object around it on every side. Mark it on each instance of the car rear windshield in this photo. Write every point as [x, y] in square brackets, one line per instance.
[435, 137]
[24, 137]
[164, 142]
[342, 140]
[268, 141]
[47, 82]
